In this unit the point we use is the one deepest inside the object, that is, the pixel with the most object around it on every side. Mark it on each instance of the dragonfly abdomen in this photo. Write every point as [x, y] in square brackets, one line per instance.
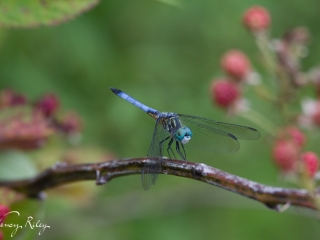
[135, 102]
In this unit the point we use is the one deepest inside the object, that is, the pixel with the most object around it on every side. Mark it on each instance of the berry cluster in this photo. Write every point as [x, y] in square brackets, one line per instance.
[227, 91]
[288, 155]
[281, 58]
[27, 125]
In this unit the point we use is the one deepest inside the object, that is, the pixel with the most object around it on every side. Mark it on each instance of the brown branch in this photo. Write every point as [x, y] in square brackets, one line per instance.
[103, 172]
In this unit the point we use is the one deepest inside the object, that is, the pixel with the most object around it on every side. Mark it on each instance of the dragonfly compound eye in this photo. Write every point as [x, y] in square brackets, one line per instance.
[183, 135]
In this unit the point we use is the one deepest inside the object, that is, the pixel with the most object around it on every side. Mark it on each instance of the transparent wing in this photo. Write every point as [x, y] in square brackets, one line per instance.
[216, 136]
[152, 167]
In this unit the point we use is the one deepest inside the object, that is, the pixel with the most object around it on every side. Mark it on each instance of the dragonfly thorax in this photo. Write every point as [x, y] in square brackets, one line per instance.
[171, 123]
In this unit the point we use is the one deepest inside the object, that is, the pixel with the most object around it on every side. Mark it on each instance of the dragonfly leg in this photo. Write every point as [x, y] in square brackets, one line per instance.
[178, 149]
[160, 144]
[169, 148]
[184, 152]
[183, 156]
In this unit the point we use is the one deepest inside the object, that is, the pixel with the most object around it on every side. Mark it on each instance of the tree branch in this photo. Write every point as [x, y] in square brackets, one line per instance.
[102, 173]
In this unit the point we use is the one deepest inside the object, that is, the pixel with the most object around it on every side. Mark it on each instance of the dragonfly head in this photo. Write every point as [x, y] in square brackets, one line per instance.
[183, 135]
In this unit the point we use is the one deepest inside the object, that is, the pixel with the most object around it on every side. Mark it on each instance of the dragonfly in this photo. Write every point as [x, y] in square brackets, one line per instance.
[182, 131]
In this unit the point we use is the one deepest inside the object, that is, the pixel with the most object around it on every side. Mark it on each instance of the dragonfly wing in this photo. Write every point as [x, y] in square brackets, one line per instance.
[216, 136]
[240, 132]
[148, 177]
[152, 166]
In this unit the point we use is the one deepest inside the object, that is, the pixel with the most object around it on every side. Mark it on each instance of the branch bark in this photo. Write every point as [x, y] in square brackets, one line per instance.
[59, 174]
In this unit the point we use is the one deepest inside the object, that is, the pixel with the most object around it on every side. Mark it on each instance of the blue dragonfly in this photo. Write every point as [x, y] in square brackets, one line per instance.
[185, 131]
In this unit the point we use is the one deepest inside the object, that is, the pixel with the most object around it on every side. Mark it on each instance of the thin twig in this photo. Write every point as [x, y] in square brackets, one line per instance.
[60, 174]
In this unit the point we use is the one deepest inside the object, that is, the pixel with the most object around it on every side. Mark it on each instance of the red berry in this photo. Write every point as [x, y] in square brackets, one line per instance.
[48, 104]
[3, 212]
[236, 64]
[10, 98]
[224, 92]
[311, 162]
[18, 99]
[285, 155]
[296, 135]
[256, 18]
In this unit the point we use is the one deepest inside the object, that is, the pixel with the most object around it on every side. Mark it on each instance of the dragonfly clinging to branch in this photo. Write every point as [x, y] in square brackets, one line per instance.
[180, 131]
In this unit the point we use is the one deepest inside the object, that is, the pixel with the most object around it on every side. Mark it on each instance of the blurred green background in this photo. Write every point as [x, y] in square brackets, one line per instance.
[165, 54]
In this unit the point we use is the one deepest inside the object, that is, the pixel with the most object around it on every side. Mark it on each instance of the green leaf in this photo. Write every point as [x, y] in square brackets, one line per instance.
[32, 13]
[16, 165]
